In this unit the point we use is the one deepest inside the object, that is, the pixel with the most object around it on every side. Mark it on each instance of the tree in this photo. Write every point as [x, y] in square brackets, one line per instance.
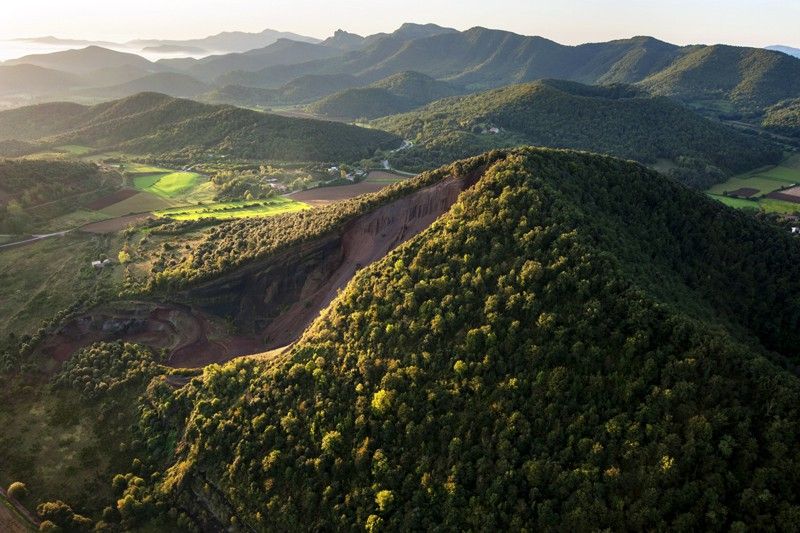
[18, 490]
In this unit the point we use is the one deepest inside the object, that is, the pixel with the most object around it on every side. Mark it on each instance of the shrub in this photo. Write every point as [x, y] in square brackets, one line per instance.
[18, 490]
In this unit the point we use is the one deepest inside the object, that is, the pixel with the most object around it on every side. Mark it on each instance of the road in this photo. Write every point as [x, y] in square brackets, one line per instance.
[35, 238]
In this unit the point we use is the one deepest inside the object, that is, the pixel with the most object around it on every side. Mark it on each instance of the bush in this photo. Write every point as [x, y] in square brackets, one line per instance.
[18, 490]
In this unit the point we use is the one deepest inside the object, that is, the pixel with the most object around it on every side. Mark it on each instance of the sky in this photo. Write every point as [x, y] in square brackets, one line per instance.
[742, 22]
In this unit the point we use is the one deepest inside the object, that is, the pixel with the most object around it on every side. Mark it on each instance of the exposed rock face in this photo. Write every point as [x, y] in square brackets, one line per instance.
[280, 296]
[270, 301]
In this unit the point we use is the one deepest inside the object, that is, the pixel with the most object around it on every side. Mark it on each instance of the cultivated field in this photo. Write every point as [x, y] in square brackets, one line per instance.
[229, 210]
[377, 180]
[143, 202]
[767, 188]
[170, 185]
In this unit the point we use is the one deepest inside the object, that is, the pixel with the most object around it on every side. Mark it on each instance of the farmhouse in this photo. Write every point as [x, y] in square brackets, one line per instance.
[101, 264]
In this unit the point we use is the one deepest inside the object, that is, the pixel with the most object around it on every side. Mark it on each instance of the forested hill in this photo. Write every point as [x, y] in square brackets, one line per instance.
[578, 341]
[749, 79]
[151, 123]
[396, 94]
[617, 120]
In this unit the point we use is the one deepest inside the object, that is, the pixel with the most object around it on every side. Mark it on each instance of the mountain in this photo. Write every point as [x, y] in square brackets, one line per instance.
[33, 80]
[281, 52]
[396, 94]
[375, 48]
[617, 120]
[229, 41]
[169, 83]
[576, 341]
[84, 60]
[344, 41]
[748, 78]
[150, 123]
[174, 49]
[722, 80]
[480, 58]
[68, 42]
[784, 118]
[785, 49]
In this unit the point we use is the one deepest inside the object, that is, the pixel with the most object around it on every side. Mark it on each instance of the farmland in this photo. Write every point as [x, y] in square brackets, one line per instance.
[376, 181]
[768, 188]
[168, 185]
[229, 210]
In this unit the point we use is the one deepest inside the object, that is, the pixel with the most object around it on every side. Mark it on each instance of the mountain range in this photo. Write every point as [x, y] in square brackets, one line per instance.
[720, 80]
[150, 123]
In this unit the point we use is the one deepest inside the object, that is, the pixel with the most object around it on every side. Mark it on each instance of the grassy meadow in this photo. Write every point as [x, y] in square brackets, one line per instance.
[230, 210]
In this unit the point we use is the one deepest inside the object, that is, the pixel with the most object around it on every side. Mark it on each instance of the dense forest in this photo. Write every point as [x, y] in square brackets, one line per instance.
[150, 123]
[615, 119]
[535, 359]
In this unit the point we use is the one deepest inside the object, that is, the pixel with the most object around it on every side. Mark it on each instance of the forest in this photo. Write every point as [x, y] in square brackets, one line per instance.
[617, 120]
[534, 359]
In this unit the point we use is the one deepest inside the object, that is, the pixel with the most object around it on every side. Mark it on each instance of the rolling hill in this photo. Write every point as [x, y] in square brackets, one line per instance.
[785, 49]
[281, 52]
[396, 94]
[577, 340]
[84, 60]
[158, 124]
[617, 119]
[228, 41]
[169, 83]
[299, 91]
[748, 78]
[33, 80]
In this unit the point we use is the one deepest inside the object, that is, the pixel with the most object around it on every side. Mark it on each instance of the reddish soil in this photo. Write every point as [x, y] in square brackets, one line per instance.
[364, 241]
[111, 199]
[326, 195]
[744, 192]
[114, 225]
[181, 330]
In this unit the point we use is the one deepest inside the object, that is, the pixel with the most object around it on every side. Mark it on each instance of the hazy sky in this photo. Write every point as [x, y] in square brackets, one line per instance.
[746, 22]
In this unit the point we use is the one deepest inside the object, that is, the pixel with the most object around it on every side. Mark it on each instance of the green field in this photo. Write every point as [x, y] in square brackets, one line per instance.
[76, 150]
[230, 210]
[168, 185]
[765, 180]
[739, 203]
